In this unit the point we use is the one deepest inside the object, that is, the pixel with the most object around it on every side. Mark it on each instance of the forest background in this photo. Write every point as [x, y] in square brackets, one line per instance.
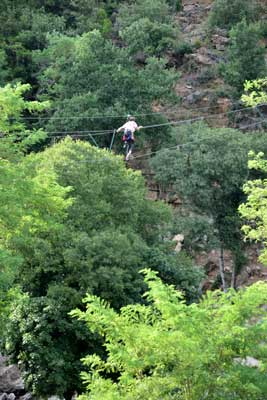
[76, 222]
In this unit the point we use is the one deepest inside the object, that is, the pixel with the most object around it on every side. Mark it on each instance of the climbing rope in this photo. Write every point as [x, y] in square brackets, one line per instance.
[173, 123]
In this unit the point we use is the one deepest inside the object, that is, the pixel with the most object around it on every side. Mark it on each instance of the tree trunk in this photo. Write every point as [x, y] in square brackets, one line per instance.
[222, 272]
[233, 279]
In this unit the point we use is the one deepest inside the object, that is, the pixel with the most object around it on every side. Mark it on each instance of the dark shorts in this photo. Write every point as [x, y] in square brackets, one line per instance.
[130, 144]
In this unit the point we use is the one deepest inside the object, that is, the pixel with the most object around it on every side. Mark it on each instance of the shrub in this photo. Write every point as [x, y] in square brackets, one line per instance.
[226, 13]
[245, 56]
[168, 350]
[148, 26]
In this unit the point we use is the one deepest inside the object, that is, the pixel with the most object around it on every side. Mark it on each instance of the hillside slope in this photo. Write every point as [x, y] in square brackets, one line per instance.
[204, 94]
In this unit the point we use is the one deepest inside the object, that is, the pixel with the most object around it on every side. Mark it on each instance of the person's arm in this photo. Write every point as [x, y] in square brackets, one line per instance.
[137, 128]
[121, 128]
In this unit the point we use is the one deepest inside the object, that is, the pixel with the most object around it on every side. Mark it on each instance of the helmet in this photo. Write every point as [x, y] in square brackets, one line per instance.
[130, 117]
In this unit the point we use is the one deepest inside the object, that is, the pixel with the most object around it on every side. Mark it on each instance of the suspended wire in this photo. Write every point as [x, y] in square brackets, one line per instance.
[79, 133]
[123, 116]
[201, 118]
[176, 147]
[86, 133]
[89, 117]
[180, 146]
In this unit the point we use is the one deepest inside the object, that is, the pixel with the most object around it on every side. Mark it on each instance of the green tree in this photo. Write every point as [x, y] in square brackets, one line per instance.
[208, 172]
[254, 211]
[3, 67]
[89, 75]
[84, 16]
[245, 56]
[24, 26]
[111, 231]
[227, 13]
[169, 350]
[255, 92]
[29, 203]
[15, 137]
[147, 27]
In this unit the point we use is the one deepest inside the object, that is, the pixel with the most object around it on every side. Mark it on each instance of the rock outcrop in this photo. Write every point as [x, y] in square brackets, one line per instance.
[11, 383]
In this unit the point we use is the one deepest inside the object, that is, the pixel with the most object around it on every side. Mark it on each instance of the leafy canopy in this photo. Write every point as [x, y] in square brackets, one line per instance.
[245, 56]
[110, 232]
[227, 13]
[254, 211]
[31, 203]
[148, 26]
[90, 76]
[15, 135]
[212, 188]
[255, 93]
[169, 350]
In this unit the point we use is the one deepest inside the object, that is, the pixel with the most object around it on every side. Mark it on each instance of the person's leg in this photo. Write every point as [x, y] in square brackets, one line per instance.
[127, 148]
[130, 149]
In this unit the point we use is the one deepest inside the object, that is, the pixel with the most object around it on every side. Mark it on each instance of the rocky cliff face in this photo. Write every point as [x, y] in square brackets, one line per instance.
[11, 384]
[203, 94]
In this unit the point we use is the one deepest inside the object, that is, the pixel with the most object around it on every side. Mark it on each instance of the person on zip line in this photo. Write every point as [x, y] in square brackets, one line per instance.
[129, 128]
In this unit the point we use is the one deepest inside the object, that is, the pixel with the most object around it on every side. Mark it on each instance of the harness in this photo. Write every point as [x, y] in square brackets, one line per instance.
[128, 135]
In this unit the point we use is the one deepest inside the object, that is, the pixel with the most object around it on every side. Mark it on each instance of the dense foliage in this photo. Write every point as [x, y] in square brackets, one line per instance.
[29, 203]
[255, 93]
[254, 211]
[74, 220]
[90, 76]
[213, 189]
[168, 350]
[246, 60]
[109, 233]
[227, 13]
[15, 137]
[147, 26]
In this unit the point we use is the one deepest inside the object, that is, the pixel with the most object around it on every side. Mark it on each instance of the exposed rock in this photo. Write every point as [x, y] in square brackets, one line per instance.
[224, 104]
[183, 89]
[140, 58]
[27, 396]
[189, 8]
[202, 59]
[10, 379]
[219, 41]
[248, 362]
[175, 200]
[152, 195]
[220, 32]
[6, 396]
[179, 240]
[195, 97]
[210, 267]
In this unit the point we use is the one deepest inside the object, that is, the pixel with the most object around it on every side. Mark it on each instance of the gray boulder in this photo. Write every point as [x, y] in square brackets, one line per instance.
[10, 379]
